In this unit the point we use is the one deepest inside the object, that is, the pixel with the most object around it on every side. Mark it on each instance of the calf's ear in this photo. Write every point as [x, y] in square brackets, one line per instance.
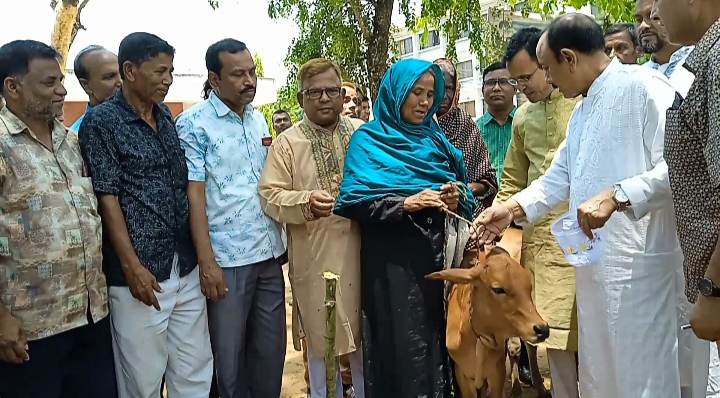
[455, 275]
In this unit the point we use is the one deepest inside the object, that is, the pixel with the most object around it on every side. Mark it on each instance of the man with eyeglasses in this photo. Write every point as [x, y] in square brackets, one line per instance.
[496, 123]
[302, 177]
[537, 132]
[226, 141]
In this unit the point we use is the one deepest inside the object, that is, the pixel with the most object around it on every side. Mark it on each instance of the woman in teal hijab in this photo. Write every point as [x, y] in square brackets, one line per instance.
[400, 174]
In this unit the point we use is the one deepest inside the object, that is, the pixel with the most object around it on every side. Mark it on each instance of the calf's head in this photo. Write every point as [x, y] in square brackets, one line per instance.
[502, 304]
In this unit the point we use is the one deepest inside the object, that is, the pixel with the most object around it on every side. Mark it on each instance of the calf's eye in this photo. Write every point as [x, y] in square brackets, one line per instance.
[498, 290]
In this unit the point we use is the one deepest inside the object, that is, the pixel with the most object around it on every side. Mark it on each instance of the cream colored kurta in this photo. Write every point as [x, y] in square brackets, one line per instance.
[302, 159]
[538, 129]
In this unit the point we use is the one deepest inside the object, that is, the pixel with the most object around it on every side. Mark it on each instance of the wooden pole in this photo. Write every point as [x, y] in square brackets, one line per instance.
[330, 358]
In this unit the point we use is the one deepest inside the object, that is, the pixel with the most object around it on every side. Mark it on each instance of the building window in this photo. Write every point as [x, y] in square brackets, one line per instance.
[464, 34]
[405, 46]
[468, 107]
[433, 39]
[464, 70]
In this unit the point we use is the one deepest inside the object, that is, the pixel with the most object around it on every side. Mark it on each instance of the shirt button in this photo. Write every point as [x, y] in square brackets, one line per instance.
[429, 220]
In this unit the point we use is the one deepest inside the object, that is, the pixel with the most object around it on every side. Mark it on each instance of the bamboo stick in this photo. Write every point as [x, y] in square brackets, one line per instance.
[330, 312]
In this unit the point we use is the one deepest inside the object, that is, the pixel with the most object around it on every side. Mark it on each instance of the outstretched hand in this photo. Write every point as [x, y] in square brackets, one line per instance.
[491, 223]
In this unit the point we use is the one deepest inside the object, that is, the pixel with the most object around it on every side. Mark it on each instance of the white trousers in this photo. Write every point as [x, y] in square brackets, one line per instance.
[563, 371]
[316, 368]
[693, 353]
[173, 342]
[713, 387]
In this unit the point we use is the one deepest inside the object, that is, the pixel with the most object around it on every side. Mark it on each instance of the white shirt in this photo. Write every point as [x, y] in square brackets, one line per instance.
[616, 136]
[626, 304]
[680, 77]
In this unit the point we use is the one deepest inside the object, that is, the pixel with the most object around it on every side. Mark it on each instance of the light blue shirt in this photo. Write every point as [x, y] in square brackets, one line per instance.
[76, 125]
[227, 153]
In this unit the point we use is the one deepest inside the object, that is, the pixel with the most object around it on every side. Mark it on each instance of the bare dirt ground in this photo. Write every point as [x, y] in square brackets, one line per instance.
[293, 377]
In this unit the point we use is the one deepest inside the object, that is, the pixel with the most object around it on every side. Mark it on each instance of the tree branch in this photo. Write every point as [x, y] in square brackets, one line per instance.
[356, 9]
[78, 25]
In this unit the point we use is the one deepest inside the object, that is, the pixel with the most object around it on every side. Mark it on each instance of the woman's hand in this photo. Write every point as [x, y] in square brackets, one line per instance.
[450, 195]
[423, 200]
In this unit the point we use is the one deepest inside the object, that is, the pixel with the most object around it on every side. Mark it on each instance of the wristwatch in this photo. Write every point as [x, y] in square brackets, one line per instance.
[708, 288]
[621, 199]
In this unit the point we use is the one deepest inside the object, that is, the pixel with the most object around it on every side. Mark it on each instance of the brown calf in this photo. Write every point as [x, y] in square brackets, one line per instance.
[489, 303]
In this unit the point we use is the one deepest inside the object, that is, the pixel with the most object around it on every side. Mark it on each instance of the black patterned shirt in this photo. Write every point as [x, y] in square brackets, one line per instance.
[146, 170]
[692, 152]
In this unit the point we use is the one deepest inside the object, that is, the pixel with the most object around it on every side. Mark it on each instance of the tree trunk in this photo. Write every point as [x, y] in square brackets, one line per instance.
[378, 46]
[66, 16]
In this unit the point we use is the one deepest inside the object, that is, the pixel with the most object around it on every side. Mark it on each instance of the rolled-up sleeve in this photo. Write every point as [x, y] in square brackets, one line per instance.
[193, 140]
[100, 152]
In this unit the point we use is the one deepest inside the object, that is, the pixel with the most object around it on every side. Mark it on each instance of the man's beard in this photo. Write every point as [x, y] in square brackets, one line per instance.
[652, 46]
[40, 111]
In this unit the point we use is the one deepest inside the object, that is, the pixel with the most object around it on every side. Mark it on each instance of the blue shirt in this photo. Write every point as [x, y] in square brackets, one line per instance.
[226, 152]
[76, 125]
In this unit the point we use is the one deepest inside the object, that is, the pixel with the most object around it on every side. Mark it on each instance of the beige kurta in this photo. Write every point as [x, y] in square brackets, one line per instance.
[302, 159]
[537, 132]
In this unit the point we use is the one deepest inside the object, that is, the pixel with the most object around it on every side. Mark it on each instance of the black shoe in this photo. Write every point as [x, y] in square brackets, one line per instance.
[525, 375]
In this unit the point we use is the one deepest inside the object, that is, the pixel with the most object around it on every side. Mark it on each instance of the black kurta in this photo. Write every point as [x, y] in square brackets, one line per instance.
[403, 313]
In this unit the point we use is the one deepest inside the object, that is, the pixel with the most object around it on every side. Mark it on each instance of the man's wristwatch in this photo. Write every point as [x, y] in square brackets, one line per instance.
[708, 288]
[620, 198]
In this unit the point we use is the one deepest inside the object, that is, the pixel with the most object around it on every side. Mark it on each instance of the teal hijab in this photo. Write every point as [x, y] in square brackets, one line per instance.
[389, 156]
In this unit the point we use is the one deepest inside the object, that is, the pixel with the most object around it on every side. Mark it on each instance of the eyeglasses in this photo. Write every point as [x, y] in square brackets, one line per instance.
[501, 82]
[317, 93]
[522, 80]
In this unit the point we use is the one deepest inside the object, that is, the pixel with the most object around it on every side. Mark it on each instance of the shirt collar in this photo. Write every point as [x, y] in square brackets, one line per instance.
[16, 126]
[222, 110]
[488, 117]
[320, 128]
[555, 95]
[700, 54]
[131, 115]
[679, 55]
[599, 82]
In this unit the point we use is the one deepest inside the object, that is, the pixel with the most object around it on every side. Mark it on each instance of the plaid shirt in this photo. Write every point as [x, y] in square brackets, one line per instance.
[50, 232]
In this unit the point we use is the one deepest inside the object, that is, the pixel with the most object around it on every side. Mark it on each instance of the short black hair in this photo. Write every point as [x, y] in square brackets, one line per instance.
[79, 68]
[280, 111]
[139, 47]
[212, 56]
[575, 31]
[625, 27]
[493, 67]
[524, 39]
[15, 57]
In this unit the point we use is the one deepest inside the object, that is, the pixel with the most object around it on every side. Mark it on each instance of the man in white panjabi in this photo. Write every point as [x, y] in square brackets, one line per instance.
[612, 172]
[668, 58]
[301, 179]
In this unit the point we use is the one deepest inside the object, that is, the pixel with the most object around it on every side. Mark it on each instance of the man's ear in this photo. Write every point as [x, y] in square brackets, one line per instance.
[129, 70]
[84, 85]
[300, 99]
[10, 87]
[569, 56]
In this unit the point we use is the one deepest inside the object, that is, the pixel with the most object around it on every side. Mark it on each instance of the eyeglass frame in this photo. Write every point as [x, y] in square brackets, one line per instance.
[497, 82]
[523, 80]
[323, 91]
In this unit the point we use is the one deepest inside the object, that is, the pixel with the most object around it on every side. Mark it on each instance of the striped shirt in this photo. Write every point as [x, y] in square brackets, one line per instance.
[497, 138]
